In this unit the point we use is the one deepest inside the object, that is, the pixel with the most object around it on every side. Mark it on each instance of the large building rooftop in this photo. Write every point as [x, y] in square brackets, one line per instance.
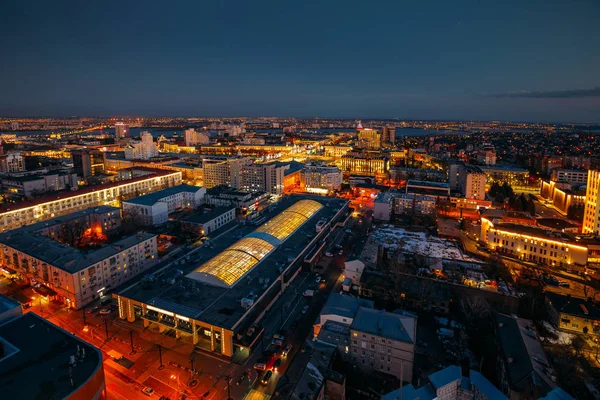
[384, 324]
[36, 365]
[154, 197]
[210, 298]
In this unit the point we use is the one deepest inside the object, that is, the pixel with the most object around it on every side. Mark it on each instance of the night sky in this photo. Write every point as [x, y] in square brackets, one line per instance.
[512, 60]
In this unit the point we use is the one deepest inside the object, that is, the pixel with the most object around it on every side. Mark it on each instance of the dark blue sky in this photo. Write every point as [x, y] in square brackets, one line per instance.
[488, 59]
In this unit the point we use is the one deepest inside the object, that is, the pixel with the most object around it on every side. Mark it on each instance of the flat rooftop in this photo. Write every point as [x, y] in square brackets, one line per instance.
[154, 197]
[430, 184]
[37, 364]
[534, 231]
[7, 304]
[501, 168]
[220, 305]
[207, 216]
[63, 256]
[72, 216]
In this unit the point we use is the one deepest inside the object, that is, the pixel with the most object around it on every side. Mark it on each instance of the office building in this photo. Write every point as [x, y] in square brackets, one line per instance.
[450, 383]
[336, 151]
[321, 179]
[12, 162]
[208, 221]
[39, 360]
[363, 164]
[384, 342]
[572, 176]
[591, 215]
[218, 298]
[154, 208]
[73, 276]
[88, 162]
[562, 198]
[121, 131]
[533, 244]
[13, 216]
[193, 138]
[143, 149]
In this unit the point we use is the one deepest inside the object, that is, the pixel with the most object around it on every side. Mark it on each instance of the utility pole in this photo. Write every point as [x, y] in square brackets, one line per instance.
[131, 340]
[161, 366]
[106, 328]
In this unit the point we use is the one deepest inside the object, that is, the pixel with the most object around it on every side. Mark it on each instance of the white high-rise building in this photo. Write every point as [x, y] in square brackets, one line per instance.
[142, 150]
[121, 131]
[267, 178]
[193, 138]
[321, 179]
[591, 215]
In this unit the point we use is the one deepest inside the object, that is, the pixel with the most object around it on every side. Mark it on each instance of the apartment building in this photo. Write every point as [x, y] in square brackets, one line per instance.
[13, 216]
[267, 178]
[410, 203]
[369, 139]
[70, 275]
[591, 215]
[384, 342]
[193, 138]
[88, 162]
[469, 180]
[321, 179]
[143, 149]
[12, 162]
[19, 186]
[154, 208]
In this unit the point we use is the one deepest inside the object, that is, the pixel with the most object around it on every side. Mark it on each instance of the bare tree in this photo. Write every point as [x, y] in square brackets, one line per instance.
[474, 308]
[73, 232]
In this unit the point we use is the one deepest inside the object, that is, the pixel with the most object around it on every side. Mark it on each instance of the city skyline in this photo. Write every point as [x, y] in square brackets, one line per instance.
[509, 62]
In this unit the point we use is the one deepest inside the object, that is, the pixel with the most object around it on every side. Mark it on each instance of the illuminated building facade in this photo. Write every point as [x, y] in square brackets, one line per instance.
[363, 164]
[193, 138]
[321, 179]
[336, 151]
[591, 216]
[88, 162]
[12, 162]
[267, 178]
[121, 131]
[533, 244]
[13, 216]
[369, 139]
[562, 199]
[505, 174]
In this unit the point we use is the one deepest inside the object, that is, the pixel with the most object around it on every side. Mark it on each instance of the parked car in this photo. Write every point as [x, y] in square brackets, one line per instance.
[317, 279]
[309, 293]
[92, 310]
[266, 377]
[329, 254]
[276, 364]
[277, 342]
[105, 311]
[148, 391]
[305, 309]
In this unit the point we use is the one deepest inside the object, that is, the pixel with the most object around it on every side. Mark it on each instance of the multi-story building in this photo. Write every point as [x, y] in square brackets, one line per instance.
[500, 174]
[562, 199]
[384, 342]
[451, 383]
[321, 179]
[222, 170]
[573, 314]
[121, 131]
[71, 275]
[410, 203]
[336, 151]
[154, 208]
[573, 176]
[36, 352]
[267, 178]
[436, 189]
[486, 156]
[469, 180]
[224, 196]
[193, 138]
[88, 162]
[144, 149]
[388, 135]
[363, 164]
[533, 244]
[204, 223]
[382, 210]
[591, 215]
[12, 162]
[13, 216]
[369, 139]
[17, 187]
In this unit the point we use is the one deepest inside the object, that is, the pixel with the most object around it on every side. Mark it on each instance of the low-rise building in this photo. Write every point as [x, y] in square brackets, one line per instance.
[206, 222]
[154, 208]
[39, 360]
[384, 342]
[510, 175]
[450, 383]
[523, 368]
[573, 314]
[73, 276]
[223, 196]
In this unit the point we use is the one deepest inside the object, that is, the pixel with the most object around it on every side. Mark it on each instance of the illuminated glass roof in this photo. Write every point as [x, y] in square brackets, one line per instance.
[226, 268]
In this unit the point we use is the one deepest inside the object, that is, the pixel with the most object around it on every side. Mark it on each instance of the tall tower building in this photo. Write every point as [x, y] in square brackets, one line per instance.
[591, 216]
[121, 131]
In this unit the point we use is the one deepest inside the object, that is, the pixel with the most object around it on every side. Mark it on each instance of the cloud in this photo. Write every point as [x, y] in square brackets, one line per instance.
[552, 94]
